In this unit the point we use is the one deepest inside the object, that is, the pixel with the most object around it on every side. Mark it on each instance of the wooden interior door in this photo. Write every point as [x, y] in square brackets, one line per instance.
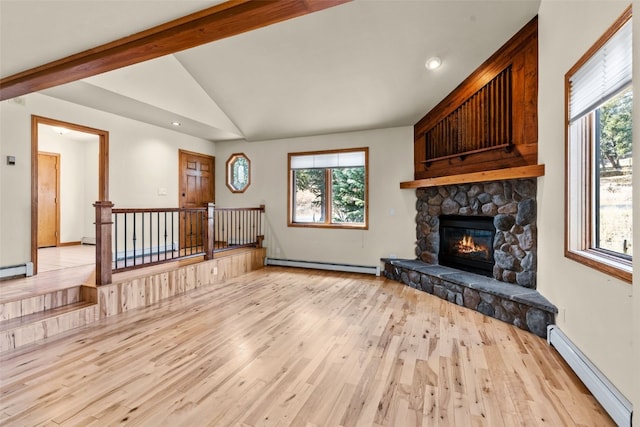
[197, 188]
[48, 199]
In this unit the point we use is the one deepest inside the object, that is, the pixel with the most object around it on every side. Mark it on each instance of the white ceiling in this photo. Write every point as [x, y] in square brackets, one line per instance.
[356, 66]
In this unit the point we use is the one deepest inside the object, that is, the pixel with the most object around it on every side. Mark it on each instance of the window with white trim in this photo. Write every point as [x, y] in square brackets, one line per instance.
[598, 188]
[329, 188]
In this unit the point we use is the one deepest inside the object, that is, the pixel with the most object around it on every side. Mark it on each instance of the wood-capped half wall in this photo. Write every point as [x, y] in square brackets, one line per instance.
[490, 121]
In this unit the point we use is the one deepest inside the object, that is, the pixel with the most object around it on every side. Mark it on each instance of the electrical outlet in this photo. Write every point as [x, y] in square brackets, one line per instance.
[215, 271]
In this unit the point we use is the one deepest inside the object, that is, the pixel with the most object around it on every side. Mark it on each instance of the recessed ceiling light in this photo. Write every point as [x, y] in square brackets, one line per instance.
[433, 63]
[176, 123]
[59, 129]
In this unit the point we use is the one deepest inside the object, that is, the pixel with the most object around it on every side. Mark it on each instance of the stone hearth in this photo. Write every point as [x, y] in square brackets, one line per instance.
[512, 204]
[514, 304]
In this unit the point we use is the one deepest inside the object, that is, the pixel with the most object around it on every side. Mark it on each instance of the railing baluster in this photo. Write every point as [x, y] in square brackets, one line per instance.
[115, 238]
[126, 246]
[173, 250]
[142, 232]
[165, 236]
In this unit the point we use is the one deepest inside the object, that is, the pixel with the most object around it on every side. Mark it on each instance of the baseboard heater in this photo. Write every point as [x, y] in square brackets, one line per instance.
[120, 255]
[616, 405]
[25, 269]
[324, 266]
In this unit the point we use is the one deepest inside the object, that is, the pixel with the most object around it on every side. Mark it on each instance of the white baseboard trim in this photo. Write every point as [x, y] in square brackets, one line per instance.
[616, 405]
[324, 266]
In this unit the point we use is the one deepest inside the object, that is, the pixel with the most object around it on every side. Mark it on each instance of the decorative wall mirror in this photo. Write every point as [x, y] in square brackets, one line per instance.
[238, 173]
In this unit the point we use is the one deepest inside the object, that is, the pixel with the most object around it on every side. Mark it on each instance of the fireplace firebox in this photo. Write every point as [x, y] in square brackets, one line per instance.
[466, 243]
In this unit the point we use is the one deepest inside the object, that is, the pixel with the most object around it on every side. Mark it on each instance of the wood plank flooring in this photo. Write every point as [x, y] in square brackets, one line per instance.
[292, 347]
[61, 257]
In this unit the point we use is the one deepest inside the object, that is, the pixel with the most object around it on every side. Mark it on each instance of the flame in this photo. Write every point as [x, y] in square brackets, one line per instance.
[467, 246]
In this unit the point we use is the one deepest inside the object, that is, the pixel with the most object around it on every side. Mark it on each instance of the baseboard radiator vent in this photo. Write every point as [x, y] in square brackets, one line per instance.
[25, 269]
[323, 266]
[616, 405]
[88, 241]
[162, 249]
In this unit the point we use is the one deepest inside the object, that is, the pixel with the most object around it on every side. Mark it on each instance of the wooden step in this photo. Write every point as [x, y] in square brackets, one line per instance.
[30, 328]
[24, 306]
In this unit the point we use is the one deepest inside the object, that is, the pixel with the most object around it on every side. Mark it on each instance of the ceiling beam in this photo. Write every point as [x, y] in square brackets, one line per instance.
[208, 25]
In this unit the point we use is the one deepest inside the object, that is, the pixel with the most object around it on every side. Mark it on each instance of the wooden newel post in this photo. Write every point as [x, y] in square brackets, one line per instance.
[209, 243]
[260, 237]
[104, 227]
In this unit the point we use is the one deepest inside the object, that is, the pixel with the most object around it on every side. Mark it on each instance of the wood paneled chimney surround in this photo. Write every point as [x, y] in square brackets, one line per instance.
[487, 128]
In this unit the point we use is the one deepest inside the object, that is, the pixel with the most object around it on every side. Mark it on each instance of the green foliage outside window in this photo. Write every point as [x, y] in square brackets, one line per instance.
[615, 129]
[347, 194]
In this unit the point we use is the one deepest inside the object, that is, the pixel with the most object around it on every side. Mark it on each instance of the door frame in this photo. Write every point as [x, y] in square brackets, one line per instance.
[103, 171]
[57, 156]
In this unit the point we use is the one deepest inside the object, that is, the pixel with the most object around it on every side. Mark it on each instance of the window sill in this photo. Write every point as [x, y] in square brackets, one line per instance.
[611, 265]
[330, 226]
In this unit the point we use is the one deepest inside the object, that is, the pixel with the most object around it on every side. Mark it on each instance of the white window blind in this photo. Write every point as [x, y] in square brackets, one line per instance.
[607, 72]
[329, 160]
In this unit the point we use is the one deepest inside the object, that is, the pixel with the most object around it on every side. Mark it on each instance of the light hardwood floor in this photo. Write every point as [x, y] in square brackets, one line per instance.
[61, 257]
[295, 347]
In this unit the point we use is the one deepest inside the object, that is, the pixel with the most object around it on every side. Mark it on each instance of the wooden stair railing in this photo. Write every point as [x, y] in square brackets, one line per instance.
[145, 237]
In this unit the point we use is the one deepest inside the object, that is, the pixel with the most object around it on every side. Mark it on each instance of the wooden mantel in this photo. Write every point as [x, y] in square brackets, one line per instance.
[532, 171]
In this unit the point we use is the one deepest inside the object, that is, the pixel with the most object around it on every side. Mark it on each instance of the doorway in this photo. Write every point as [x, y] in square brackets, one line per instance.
[81, 178]
[197, 188]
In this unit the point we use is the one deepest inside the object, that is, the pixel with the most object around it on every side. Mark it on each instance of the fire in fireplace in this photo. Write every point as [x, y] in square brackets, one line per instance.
[466, 243]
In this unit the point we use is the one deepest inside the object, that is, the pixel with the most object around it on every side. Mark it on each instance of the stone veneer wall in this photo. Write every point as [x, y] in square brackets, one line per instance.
[512, 204]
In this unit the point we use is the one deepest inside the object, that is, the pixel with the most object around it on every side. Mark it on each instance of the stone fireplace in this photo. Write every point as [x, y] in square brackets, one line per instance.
[507, 210]
[509, 205]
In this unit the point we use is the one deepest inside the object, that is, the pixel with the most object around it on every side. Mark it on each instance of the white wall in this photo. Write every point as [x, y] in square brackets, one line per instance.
[78, 181]
[143, 159]
[91, 188]
[15, 184]
[595, 309]
[391, 210]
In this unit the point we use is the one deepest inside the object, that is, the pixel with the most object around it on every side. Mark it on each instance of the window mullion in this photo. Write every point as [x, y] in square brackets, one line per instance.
[594, 179]
[328, 195]
[589, 149]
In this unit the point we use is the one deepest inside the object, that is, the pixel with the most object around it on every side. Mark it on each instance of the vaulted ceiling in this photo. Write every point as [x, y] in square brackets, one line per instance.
[355, 66]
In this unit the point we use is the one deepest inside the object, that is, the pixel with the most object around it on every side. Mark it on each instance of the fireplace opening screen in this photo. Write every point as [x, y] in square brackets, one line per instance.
[467, 243]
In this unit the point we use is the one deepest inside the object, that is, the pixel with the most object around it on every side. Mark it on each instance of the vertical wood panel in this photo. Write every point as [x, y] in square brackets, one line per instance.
[459, 132]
